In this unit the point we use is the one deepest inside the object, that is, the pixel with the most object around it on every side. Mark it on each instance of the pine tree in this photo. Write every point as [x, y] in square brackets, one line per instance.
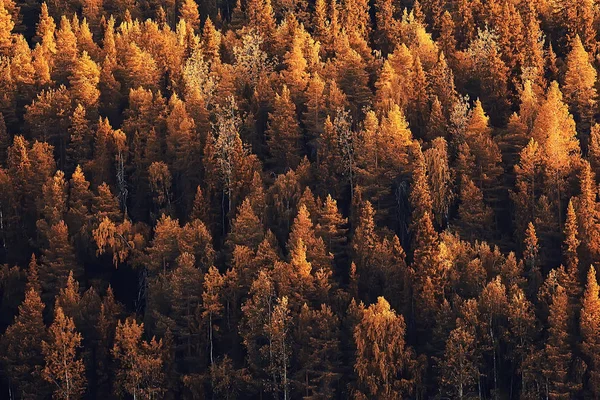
[590, 324]
[554, 130]
[295, 75]
[580, 83]
[22, 348]
[594, 149]
[278, 330]
[58, 258]
[557, 351]
[587, 214]
[439, 177]
[64, 369]
[386, 24]
[65, 59]
[84, 81]
[246, 228]
[531, 252]
[79, 148]
[475, 216]
[80, 198]
[45, 30]
[6, 26]
[303, 230]
[571, 246]
[331, 227]
[283, 133]
[188, 11]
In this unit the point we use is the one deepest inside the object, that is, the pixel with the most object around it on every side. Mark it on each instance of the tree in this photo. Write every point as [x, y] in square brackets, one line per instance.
[6, 26]
[589, 324]
[570, 249]
[64, 369]
[283, 133]
[188, 11]
[383, 360]
[459, 368]
[439, 177]
[84, 81]
[278, 330]
[257, 313]
[587, 214]
[65, 59]
[531, 252]
[139, 363]
[475, 216]
[303, 230]
[554, 130]
[557, 352]
[211, 302]
[22, 347]
[57, 260]
[332, 227]
[580, 83]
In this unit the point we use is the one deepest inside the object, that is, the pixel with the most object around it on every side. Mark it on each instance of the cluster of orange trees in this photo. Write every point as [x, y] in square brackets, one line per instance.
[312, 199]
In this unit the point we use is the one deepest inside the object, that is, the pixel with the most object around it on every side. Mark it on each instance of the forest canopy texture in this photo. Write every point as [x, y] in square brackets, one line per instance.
[299, 199]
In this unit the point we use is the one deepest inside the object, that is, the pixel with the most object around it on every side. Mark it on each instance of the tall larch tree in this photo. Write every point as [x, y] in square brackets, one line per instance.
[557, 351]
[188, 11]
[66, 58]
[587, 214]
[21, 343]
[580, 84]
[84, 81]
[589, 325]
[64, 369]
[283, 133]
[570, 251]
[554, 130]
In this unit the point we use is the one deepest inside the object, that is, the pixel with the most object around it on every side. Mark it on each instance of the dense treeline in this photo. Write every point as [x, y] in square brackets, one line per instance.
[299, 199]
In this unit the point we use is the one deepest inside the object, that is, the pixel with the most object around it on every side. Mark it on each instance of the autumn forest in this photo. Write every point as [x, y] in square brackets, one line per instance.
[299, 199]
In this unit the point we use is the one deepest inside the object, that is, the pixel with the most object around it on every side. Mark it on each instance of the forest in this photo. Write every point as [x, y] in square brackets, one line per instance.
[299, 199]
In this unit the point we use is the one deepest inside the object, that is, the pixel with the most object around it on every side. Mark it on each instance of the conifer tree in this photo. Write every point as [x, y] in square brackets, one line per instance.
[580, 83]
[21, 345]
[188, 10]
[587, 214]
[66, 58]
[590, 324]
[557, 351]
[474, 214]
[64, 369]
[531, 252]
[283, 133]
[6, 26]
[594, 149]
[331, 227]
[84, 81]
[246, 228]
[554, 130]
[571, 247]
[58, 258]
